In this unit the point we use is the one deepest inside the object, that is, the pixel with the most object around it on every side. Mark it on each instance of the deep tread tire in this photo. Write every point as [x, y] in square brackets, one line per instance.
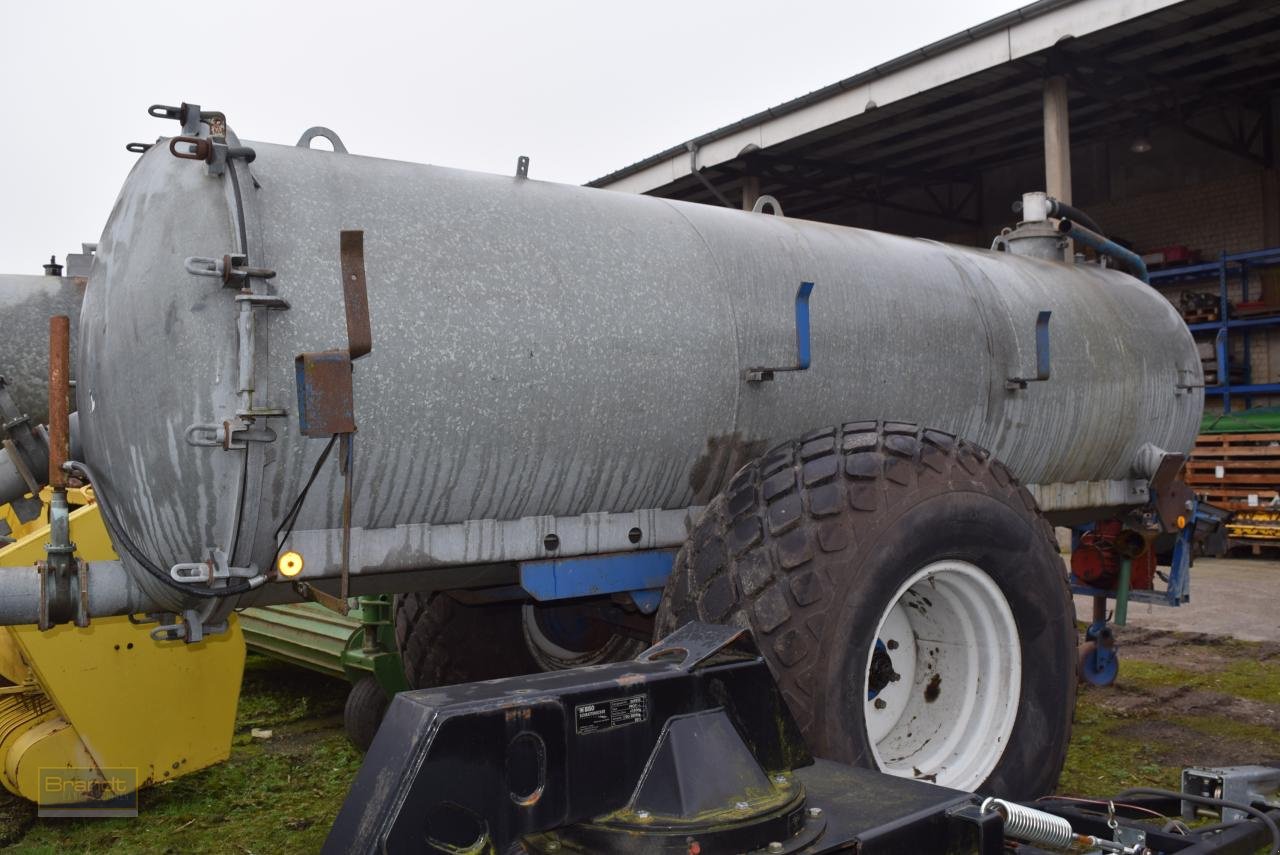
[443, 642]
[366, 705]
[809, 543]
[618, 648]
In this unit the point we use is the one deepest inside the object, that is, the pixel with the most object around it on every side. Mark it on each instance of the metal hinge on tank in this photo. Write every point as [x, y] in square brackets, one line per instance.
[206, 137]
[214, 149]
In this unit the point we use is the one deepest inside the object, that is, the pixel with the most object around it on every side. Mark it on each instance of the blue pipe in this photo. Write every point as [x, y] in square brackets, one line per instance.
[1105, 246]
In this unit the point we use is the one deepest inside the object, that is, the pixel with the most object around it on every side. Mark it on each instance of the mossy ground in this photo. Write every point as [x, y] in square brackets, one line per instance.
[1179, 701]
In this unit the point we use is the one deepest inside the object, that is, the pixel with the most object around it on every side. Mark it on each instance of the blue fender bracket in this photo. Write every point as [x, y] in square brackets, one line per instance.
[803, 353]
[641, 574]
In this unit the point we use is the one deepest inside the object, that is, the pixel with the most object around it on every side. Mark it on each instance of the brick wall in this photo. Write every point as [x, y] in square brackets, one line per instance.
[1226, 214]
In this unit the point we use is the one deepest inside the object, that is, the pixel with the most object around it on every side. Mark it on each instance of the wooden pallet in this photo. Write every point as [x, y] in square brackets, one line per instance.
[1203, 316]
[1238, 471]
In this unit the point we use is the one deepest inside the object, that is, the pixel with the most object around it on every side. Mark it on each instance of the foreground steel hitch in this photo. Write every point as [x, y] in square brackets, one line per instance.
[690, 748]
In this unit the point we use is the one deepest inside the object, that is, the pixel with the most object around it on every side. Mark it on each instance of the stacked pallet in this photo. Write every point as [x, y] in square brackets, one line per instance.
[1240, 472]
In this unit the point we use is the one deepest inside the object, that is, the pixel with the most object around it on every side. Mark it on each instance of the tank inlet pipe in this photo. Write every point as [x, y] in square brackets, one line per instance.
[1105, 246]
[111, 592]
[1044, 829]
[1063, 211]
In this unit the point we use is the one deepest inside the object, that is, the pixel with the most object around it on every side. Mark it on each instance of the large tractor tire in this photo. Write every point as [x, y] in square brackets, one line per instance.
[560, 636]
[908, 596]
[443, 641]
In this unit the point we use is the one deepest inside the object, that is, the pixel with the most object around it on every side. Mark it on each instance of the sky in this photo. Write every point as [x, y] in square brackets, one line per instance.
[581, 88]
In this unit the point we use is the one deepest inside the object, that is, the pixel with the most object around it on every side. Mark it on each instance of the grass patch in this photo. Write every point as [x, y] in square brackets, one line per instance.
[1101, 762]
[1111, 751]
[273, 796]
[1258, 681]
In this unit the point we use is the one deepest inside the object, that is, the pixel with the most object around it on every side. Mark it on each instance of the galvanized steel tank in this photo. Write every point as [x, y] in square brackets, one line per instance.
[26, 304]
[547, 351]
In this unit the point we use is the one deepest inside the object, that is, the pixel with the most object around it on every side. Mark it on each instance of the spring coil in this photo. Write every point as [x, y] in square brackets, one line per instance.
[1031, 825]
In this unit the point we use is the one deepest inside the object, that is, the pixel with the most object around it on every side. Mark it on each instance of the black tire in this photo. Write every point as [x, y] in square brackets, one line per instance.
[599, 644]
[366, 705]
[810, 543]
[443, 642]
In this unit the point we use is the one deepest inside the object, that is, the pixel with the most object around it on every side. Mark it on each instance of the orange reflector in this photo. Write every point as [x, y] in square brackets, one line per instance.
[289, 564]
[1182, 522]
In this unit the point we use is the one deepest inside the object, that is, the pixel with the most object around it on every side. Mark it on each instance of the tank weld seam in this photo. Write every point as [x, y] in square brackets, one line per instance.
[733, 314]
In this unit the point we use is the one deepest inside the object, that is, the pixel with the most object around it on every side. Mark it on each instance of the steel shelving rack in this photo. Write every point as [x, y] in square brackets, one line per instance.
[1225, 269]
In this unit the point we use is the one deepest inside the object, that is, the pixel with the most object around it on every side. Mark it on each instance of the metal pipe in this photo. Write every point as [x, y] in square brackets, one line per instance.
[1105, 246]
[1122, 592]
[12, 484]
[1067, 211]
[59, 415]
[112, 592]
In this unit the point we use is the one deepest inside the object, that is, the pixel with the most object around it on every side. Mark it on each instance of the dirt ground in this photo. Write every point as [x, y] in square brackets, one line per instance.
[1181, 699]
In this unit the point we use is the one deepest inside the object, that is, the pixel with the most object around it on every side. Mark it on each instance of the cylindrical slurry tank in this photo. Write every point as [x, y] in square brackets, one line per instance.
[549, 351]
[26, 304]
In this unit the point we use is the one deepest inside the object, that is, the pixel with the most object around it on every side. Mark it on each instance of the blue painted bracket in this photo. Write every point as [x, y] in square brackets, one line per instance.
[803, 350]
[642, 575]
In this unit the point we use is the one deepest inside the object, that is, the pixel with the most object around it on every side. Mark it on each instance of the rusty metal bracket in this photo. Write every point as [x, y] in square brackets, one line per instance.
[355, 296]
[310, 592]
[326, 396]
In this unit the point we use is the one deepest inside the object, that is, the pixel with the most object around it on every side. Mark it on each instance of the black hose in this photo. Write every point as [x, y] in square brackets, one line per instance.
[119, 536]
[1219, 803]
[1063, 211]
[291, 515]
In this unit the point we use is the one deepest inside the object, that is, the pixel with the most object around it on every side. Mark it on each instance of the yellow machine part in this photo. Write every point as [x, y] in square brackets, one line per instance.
[108, 696]
[1255, 524]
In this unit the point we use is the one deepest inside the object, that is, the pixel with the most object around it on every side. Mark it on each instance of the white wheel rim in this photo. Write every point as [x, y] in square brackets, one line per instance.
[951, 638]
[539, 639]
